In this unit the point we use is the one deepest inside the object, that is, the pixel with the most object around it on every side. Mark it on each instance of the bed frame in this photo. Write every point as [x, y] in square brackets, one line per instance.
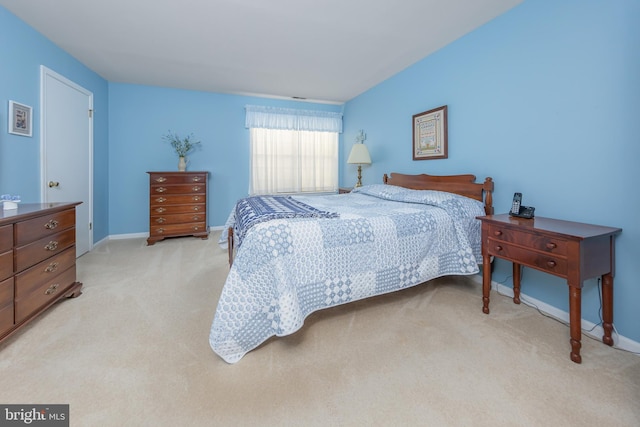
[465, 185]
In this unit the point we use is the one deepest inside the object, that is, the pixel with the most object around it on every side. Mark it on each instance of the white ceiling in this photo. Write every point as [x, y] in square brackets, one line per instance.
[322, 50]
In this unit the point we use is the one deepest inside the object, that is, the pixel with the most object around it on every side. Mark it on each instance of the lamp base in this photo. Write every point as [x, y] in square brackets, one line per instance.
[359, 183]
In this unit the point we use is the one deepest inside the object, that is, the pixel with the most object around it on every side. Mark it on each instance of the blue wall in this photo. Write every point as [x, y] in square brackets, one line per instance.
[141, 115]
[544, 99]
[23, 50]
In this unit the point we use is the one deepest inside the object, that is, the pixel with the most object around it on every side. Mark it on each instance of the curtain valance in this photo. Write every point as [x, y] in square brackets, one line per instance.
[292, 119]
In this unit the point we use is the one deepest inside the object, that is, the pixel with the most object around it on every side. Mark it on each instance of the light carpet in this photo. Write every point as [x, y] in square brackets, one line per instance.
[133, 350]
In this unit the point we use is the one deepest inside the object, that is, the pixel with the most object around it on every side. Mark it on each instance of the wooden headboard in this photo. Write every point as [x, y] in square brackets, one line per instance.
[465, 185]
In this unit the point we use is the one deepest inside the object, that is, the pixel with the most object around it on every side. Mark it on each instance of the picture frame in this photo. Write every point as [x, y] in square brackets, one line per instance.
[20, 119]
[430, 134]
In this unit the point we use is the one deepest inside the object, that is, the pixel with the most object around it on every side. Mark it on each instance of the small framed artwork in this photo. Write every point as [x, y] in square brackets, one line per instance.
[20, 118]
[430, 134]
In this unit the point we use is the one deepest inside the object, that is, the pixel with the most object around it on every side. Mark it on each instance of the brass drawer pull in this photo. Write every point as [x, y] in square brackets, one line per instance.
[160, 230]
[161, 179]
[51, 246]
[52, 289]
[497, 233]
[161, 200]
[196, 179]
[51, 267]
[498, 248]
[196, 228]
[161, 189]
[160, 220]
[196, 188]
[51, 224]
[196, 218]
[196, 208]
[160, 210]
[551, 264]
[196, 198]
[551, 245]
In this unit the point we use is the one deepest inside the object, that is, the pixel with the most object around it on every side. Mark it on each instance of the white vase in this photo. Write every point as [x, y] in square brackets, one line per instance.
[182, 164]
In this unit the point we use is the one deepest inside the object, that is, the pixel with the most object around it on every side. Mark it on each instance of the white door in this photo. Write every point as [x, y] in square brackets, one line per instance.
[67, 150]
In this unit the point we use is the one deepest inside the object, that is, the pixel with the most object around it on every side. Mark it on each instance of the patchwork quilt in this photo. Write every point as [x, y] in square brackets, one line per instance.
[386, 238]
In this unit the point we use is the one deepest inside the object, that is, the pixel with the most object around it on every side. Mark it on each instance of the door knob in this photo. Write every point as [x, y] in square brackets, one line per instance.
[53, 184]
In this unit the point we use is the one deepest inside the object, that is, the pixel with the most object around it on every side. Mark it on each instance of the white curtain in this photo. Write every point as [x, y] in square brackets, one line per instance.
[293, 151]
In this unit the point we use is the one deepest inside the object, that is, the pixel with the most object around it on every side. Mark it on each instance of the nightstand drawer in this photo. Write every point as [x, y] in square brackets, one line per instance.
[530, 240]
[547, 262]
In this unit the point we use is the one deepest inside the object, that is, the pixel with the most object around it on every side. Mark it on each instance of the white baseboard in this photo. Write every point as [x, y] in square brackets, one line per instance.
[588, 328]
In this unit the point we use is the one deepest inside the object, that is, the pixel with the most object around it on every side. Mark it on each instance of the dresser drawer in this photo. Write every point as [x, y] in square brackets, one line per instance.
[6, 238]
[176, 209]
[177, 178]
[27, 303]
[30, 254]
[46, 225]
[6, 305]
[521, 255]
[177, 218]
[178, 189]
[6, 265]
[177, 229]
[43, 272]
[531, 240]
[178, 199]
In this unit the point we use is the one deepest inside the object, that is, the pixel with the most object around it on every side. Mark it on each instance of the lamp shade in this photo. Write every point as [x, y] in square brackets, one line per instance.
[359, 155]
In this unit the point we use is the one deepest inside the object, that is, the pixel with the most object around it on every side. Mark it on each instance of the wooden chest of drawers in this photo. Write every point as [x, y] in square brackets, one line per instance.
[177, 205]
[37, 261]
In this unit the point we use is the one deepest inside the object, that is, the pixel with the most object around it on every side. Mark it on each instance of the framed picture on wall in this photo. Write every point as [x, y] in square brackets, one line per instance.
[20, 119]
[430, 134]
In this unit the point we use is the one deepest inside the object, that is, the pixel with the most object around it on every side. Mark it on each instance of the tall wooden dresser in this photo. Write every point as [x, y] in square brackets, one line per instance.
[177, 205]
[37, 261]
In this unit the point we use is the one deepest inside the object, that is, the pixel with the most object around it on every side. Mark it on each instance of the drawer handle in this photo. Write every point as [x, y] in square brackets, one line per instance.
[498, 248]
[551, 245]
[196, 179]
[161, 179]
[196, 188]
[161, 189]
[196, 208]
[161, 200]
[497, 233]
[196, 218]
[551, 264]
[52, 289]
[51, 246]
[160, 210]
[160, 220]
[160, 230]
[51, 267]
[196, 198]
[51, 224]
[196, 228]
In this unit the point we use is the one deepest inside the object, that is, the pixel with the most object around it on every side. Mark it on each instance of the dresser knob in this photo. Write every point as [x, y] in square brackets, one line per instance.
[196, 228]
[161, 200]
[196, 208]
[51, 267]
[551, 263]
[51, 246]
[52, 289]
[196, 188]
[160, 230]
[497, 233]
[551, 245]
[196, 179]
[160, 210]
[498, 248]
[160, 220]
[161, 179]
[161, 189]
[51, 224]
[196, 198]
[196, 218]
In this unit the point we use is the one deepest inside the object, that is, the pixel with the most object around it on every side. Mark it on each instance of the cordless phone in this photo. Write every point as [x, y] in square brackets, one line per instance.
[518, 210]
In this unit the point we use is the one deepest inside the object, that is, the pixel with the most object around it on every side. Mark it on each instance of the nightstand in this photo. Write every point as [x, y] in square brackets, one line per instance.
[344, 190]
[571, 250]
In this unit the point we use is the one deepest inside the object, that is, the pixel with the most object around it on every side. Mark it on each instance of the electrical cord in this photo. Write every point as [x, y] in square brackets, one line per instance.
[584, 331]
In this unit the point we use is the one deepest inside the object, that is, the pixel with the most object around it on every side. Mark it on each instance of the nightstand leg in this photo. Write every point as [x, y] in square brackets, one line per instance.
[486, 282]
[575, 308]
[607, 308]
[516, 283]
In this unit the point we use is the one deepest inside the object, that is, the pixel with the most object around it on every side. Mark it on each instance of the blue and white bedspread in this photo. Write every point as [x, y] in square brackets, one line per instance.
[385, 239]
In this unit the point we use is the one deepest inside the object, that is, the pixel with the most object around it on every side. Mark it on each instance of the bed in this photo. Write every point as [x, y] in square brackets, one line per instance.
[374, 240]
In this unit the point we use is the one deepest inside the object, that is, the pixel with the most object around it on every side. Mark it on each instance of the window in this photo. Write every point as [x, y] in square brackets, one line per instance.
[293, 151]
